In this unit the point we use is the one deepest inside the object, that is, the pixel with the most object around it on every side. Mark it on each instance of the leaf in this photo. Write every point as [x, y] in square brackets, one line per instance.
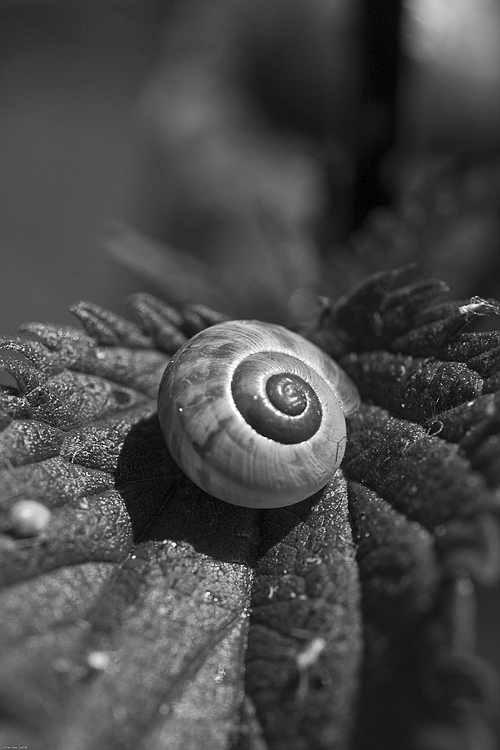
[147, 614]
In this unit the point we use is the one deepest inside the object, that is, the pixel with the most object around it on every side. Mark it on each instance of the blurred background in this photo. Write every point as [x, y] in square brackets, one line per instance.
[70, 78]
[246, 153]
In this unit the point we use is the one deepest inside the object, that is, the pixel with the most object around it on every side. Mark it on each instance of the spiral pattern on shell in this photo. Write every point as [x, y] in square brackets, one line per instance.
[255, 414]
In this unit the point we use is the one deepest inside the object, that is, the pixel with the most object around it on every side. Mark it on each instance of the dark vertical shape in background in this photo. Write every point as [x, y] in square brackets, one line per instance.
[381, 65]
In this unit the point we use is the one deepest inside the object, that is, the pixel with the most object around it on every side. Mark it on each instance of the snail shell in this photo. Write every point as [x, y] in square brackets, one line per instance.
[254, 413]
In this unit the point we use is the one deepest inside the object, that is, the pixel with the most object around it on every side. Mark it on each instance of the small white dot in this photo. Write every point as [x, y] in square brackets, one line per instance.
[98, 660]
[28, 518]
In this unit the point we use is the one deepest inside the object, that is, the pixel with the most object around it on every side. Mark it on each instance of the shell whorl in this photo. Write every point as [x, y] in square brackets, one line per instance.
[254, 413]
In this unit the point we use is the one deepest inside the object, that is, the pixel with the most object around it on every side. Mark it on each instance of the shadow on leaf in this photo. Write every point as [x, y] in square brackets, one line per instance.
[164, 504]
